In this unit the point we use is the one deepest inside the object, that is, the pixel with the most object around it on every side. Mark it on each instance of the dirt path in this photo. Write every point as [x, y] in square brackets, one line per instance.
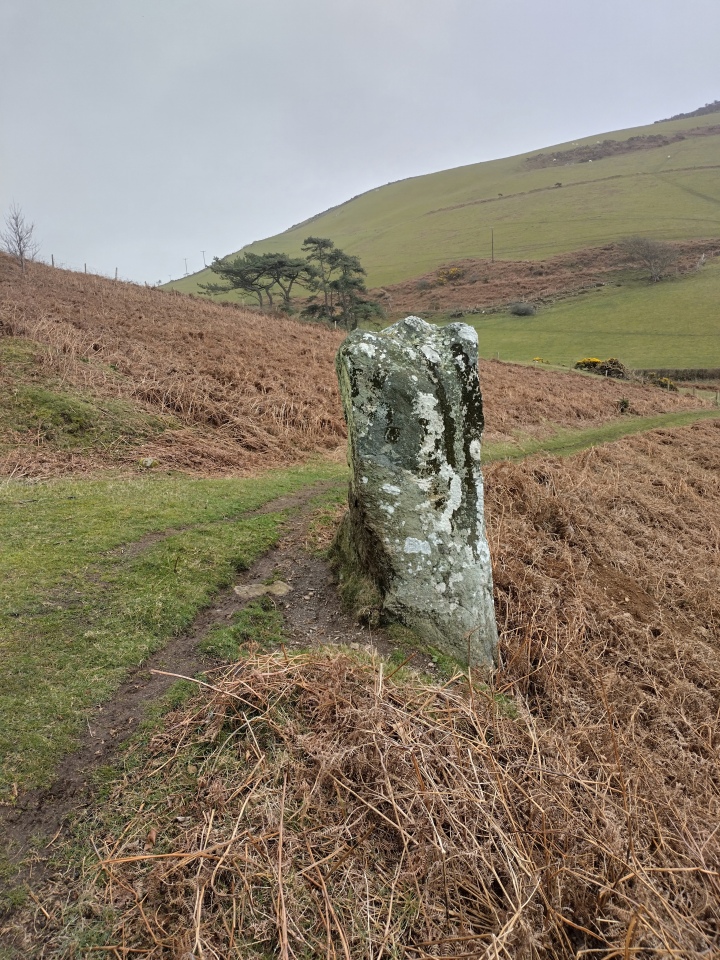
[313, 615]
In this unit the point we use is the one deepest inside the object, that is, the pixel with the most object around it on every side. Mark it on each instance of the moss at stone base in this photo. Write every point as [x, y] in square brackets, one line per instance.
[358, 592]
[364, 600]
[408, 639]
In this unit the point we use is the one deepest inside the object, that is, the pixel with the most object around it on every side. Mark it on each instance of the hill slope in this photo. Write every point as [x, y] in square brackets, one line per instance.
[659, 180]
[96, 373]
[673, 324]
[569, 809]
[235, 391]
[590, 303]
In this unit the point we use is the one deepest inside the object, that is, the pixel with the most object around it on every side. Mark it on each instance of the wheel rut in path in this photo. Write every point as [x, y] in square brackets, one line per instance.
[313, 615]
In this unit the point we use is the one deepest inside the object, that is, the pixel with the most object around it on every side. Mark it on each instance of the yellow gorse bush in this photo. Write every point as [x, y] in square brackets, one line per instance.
[449, 275]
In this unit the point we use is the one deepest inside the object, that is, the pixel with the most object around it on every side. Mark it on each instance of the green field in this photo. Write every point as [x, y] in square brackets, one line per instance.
[407, 228]
[675, 323]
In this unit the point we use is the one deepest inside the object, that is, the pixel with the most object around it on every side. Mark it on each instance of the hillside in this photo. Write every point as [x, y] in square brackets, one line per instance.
[673, 324]
[659, 180]
[588, 302]
[570, 808]
[202, 752]
[235, 390]
[100, 373]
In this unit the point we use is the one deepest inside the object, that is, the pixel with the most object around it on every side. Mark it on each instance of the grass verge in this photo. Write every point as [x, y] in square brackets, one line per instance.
[96, 575]
[259, 624]
[566, 442]
[50, 413]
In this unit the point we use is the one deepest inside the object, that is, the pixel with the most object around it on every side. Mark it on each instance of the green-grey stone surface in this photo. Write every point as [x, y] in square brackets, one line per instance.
[411, 397]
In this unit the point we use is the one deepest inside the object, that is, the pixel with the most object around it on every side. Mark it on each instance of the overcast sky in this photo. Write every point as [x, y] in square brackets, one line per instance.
[137, 133]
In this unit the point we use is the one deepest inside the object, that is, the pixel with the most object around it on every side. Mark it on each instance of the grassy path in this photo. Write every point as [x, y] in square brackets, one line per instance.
[566, 442]
[97, 574]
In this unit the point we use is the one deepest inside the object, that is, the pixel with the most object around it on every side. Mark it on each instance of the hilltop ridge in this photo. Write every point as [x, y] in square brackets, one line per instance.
[713, 107]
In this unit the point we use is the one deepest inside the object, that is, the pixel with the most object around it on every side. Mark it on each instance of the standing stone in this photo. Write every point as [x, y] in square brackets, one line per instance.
[411, 397]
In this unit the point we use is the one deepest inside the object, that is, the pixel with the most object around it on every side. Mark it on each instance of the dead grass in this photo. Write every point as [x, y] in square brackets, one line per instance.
[312, 807]
[535, 402]
[490, 285]
[249, 391]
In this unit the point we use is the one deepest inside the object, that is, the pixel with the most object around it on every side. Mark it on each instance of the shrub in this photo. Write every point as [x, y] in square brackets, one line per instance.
[447, 275]
[655, 256]
[588, 363]
[612, 367]
[623, 405]
[667, 384]
[523, 309]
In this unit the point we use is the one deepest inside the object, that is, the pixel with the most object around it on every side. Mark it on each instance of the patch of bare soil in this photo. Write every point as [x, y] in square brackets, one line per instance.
[488, 285]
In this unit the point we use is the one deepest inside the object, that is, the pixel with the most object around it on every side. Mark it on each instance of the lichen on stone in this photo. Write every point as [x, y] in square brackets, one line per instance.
[415, 524]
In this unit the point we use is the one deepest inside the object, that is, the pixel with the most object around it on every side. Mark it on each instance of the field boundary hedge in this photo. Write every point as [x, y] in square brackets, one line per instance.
[701, 373]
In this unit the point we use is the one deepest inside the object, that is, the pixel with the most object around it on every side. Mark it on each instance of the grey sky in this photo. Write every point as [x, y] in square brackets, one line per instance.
[135, 133]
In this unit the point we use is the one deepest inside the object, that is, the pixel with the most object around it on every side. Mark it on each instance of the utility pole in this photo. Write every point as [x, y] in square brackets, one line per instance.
[203, 253]
[492, 246]
[186, 269]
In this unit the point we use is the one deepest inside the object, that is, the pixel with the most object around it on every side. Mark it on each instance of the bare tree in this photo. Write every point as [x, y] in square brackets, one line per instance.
[653, 255]
[17, 237]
